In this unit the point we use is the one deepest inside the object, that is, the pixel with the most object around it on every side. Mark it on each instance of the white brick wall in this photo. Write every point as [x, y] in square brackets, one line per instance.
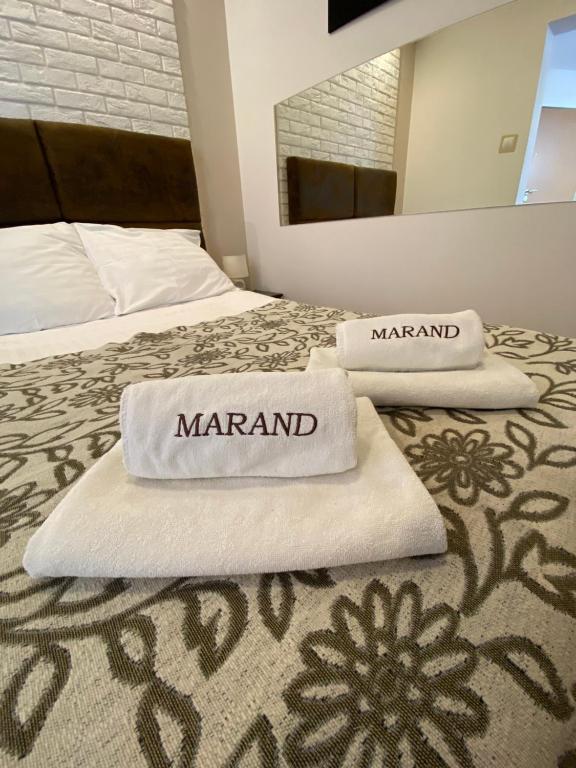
[350, 118]
[102, 62]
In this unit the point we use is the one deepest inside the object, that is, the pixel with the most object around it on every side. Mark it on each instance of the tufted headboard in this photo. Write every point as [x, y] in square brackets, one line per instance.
[321, 190]
[65, 172]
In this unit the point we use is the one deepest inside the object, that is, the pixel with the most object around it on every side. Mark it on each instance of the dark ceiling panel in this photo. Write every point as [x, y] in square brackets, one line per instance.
[341, 12]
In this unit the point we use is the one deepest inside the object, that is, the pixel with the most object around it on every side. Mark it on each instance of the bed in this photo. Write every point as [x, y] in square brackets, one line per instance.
[465, 659]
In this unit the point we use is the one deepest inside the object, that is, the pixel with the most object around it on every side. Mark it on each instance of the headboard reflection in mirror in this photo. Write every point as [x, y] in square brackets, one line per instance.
[477, 115]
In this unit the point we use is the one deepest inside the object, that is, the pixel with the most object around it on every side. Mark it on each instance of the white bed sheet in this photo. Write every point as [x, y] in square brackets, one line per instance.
[23, 347]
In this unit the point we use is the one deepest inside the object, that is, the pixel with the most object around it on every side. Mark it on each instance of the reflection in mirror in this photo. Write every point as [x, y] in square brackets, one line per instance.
[480, 114]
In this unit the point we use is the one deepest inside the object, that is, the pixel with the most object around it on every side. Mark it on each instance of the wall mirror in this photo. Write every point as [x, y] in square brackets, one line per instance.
[479, 114]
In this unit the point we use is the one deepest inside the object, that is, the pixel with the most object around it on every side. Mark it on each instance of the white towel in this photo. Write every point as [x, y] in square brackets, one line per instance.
[248, 425]
[411, 342]
[494, 384]
[114, 525]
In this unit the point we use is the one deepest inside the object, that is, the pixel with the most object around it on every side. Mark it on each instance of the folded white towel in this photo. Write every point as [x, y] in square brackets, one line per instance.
[248, 425]
[411, 342]
[114, 525]
[494, 384]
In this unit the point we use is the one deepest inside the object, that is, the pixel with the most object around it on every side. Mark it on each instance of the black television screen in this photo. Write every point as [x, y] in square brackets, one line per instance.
[341, 12]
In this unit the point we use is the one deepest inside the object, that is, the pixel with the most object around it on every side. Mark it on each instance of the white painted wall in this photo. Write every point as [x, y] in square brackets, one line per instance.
[561, 87]
[473, 83]
[101, 62]
[203, 47]
[514, 265]
[403, 115]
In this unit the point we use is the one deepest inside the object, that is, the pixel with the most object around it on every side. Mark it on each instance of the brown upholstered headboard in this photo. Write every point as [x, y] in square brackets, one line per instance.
[321, 190]
[64, 172]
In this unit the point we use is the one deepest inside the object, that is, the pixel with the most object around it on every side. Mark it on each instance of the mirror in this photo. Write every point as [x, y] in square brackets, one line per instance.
[479, 114]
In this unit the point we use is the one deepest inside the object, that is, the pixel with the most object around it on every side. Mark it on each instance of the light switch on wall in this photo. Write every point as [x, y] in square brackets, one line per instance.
[508, 143]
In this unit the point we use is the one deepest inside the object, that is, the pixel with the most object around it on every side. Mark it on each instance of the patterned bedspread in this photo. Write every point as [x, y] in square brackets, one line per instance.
[463, 660]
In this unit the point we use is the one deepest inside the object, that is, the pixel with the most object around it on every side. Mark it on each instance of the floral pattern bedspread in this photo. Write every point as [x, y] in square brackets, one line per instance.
[466, 660]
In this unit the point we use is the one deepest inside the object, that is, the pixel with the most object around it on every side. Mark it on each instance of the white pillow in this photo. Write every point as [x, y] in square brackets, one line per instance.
[144, 268]
[46, 280]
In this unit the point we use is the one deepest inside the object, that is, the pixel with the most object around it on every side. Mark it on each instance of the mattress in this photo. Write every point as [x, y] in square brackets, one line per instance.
[465, 659]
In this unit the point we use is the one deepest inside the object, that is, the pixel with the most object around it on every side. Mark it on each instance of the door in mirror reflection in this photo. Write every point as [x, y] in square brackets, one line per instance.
[552, 168]
[476, 115]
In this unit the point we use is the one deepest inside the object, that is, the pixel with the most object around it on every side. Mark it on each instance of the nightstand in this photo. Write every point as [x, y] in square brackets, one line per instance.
[272, 294]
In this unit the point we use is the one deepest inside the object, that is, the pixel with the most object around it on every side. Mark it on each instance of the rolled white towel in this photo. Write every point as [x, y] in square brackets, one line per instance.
[411, 342]
[240, 425]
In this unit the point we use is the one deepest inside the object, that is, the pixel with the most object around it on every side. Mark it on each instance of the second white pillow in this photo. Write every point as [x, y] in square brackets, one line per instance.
[146, 268]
